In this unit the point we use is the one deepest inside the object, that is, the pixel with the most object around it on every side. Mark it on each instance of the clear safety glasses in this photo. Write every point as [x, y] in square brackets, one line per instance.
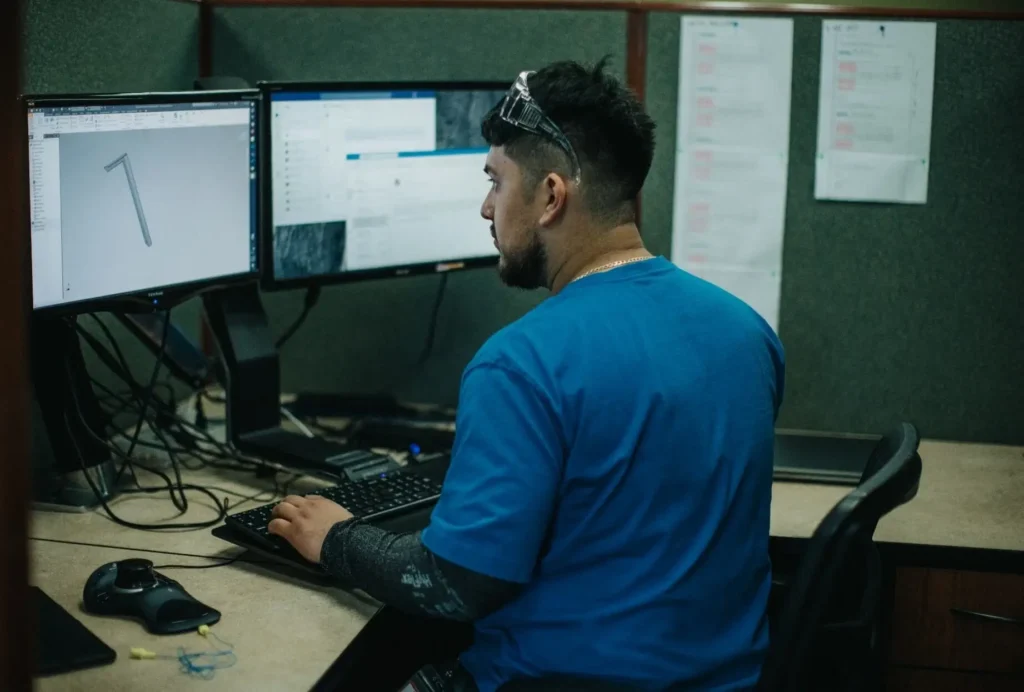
[519, 109]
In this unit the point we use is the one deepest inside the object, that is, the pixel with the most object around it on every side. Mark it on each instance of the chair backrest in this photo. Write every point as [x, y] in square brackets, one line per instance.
[843, 538]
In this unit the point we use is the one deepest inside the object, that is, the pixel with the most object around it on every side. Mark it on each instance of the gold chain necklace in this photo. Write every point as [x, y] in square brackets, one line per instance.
[610, 265]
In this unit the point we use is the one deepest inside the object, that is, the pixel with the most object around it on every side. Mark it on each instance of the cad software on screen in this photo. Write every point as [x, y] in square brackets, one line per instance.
[370, 180]
[130, 198]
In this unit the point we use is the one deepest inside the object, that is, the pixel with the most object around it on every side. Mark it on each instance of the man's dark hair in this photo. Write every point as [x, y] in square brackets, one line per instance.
[612, 134]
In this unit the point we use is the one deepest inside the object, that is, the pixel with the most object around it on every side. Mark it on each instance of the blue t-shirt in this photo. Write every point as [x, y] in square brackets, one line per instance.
[613, 453]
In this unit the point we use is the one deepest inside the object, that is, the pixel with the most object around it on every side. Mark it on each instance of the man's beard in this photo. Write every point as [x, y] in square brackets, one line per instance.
[527, 269]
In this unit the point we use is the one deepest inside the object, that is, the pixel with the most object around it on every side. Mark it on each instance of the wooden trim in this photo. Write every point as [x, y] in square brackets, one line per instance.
[205, 39]
[17, 636]
[636, 65]
[636, 52]
[995, 11]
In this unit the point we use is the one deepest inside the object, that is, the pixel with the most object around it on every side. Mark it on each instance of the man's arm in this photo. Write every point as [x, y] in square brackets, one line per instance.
[488, 528]
[396, 569]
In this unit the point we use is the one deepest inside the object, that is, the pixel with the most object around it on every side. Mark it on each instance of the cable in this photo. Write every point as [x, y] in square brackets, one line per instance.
[221, 509]
[428, 347]
[165, 421]
[225, 563]
[312, 296]
[206, 458]
[239, 557]
[199, 436]
[152, 382]
[296, 422]
[168, 409]
[113, 342]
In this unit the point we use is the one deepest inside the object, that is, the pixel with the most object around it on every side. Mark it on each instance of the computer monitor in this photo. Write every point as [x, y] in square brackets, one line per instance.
[137, 201]
[373, 180]
[140, 200]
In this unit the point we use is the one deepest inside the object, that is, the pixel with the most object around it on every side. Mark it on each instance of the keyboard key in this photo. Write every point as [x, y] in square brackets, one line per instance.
[377, 498]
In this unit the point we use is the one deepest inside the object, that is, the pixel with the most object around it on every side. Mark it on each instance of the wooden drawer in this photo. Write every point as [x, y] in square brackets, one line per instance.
[917, 680]
[939, 620]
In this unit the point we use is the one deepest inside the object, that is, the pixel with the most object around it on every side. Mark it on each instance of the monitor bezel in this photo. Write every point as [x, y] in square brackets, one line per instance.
[158, 298]
[268, 282]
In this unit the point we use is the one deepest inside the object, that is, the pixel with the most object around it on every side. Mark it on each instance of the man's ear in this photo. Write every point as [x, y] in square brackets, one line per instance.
[554, 192]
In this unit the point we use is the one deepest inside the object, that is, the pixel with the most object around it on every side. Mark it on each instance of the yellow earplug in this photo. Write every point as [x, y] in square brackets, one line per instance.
[140, 653]
[204, 630]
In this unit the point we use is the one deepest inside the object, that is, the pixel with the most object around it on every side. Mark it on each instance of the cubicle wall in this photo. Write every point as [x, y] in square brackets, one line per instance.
[369, 336]
[113, 45]
[889, 310]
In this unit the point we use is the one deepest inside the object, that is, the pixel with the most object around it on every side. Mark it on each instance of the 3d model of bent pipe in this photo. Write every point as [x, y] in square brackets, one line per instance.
[124, 160]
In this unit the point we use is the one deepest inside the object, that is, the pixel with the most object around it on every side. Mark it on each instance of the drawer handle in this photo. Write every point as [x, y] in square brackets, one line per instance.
[987, 616]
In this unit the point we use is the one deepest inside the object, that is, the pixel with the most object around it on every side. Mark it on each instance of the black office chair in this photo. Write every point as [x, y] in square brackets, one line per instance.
[825, 634]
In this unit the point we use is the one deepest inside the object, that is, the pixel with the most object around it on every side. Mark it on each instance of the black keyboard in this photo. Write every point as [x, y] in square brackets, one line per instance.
[387, 495]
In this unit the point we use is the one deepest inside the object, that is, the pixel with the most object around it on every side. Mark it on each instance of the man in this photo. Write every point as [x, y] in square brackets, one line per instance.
[605, 516]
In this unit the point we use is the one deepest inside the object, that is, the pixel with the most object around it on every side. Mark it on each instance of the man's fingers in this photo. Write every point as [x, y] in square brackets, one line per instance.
[296, 500]
[279, 527]
[285, 510]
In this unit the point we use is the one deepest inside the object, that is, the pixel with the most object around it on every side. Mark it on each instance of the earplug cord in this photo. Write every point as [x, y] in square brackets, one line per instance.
[203, 664]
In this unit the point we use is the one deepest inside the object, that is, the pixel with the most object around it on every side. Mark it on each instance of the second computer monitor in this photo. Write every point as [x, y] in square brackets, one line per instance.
[372, 180]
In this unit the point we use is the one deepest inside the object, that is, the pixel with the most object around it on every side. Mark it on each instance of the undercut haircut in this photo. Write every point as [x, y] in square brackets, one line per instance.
[612, 134]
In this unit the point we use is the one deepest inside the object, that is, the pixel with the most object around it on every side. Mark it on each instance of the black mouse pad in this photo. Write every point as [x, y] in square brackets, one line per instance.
[64, 644]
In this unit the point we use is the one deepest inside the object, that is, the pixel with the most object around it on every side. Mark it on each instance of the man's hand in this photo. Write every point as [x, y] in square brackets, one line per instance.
[305, 521]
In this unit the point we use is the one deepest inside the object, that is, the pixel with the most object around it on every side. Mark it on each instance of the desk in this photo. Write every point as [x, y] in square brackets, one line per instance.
[285, 632]
[971, 497]
[970, 507]
[958, 545]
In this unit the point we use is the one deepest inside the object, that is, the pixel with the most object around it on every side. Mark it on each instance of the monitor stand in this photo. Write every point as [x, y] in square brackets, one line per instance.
[252, 387]
[72, 469]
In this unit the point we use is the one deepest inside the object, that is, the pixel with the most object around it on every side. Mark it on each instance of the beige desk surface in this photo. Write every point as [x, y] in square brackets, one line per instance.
[286, 633]
[971, 496]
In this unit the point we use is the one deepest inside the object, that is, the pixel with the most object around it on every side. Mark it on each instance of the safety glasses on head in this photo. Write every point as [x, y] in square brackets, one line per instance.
[519, 109]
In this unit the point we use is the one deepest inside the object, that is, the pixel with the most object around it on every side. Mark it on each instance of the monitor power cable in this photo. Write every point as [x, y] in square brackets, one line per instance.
[311, 299]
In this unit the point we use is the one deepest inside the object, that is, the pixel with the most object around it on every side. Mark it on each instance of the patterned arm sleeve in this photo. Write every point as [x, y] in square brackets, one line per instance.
[398, 570]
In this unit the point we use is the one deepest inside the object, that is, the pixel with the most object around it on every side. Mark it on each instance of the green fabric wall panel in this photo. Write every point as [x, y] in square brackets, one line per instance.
[896, 311]
[113, 45]
[78, 46]
[367, 337]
